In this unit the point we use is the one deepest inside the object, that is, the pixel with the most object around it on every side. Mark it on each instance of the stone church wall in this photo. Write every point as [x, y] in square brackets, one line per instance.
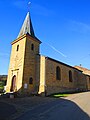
[29, 72]
[63, 85]
[31, 66]
[16, 64]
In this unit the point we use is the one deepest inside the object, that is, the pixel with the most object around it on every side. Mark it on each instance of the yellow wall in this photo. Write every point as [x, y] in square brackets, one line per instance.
[31, 65]
[42, 75]
[24, 63]
[16, 63]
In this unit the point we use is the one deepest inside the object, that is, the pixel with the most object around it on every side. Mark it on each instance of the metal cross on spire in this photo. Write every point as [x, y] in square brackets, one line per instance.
[27, 25]
[29, 6]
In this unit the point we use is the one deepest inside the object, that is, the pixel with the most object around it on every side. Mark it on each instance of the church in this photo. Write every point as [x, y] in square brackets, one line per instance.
[32, 73]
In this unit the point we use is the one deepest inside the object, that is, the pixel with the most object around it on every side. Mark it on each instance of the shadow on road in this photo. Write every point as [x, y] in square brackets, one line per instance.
[66, 110]
[56, 109]
[6, 110]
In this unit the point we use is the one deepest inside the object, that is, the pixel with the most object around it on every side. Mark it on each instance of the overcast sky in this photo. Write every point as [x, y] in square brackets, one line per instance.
[63, 26]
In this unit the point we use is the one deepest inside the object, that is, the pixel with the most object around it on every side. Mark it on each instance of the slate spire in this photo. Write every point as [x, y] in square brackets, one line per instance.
[27, 27]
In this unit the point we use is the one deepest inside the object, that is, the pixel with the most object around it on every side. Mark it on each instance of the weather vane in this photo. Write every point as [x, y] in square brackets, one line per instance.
[29, 6]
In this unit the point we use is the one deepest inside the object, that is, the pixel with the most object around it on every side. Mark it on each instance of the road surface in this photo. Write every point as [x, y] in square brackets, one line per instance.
[74, 107]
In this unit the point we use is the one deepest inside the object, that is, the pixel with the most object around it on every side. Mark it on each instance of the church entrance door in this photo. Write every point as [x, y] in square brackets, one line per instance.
[13, 83]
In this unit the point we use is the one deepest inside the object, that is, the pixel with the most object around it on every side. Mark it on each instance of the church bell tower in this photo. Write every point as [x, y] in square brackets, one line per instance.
[23, 73]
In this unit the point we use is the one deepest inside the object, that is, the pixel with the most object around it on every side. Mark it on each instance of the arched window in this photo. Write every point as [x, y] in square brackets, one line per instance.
[31, 80]
[17, 47]
[32, 46]
[58, 73]
[70, 76]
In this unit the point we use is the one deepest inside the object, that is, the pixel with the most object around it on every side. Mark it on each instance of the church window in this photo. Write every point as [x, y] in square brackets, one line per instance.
[17, 47]
[32, 46]
[70, 76]
[58, 73]
[31, 80]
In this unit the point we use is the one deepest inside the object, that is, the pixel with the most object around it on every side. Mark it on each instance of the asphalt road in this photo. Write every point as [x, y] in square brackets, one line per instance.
[6, 110]
[74, 107]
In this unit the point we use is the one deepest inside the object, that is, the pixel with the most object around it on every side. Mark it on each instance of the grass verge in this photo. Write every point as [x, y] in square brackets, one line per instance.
[58, 95]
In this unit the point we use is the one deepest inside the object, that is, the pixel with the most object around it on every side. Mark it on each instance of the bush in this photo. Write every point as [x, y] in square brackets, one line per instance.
[1, 86]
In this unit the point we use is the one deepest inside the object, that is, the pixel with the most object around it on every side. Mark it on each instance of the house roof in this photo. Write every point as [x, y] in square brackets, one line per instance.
[85, 70]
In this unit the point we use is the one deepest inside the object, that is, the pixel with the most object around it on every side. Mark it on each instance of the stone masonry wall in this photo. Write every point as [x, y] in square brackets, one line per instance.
[31, 66]
[63, 85]
[16, 63]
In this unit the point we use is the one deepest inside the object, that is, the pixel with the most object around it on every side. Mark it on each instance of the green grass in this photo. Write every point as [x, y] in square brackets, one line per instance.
[57, 95]
[1, 87]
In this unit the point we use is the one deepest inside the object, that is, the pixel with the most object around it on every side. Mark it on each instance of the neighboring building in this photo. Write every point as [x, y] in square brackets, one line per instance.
[87, 74]
[31, 73]
[84, 70]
